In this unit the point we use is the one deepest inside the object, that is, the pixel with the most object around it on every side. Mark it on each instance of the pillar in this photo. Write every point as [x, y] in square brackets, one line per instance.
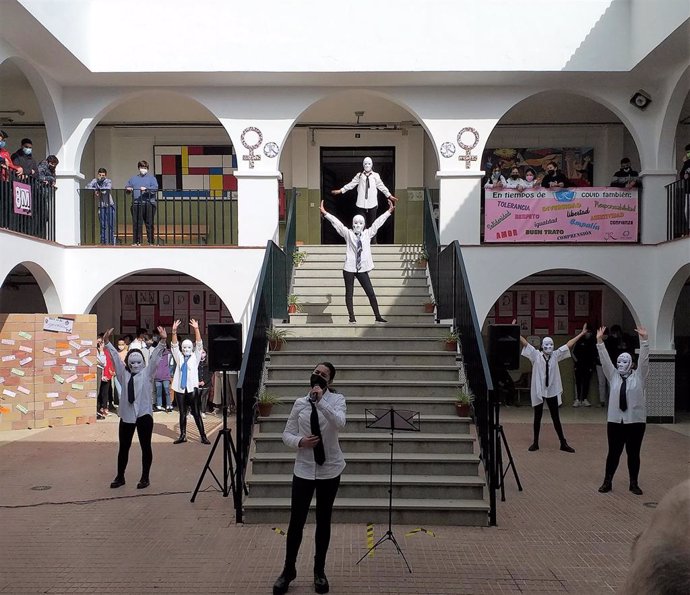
[460, 206]
[257, 207]
[67, 224]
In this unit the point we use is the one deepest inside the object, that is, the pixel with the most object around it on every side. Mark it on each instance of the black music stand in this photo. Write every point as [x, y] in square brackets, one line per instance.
[501, 437]
[391, 419]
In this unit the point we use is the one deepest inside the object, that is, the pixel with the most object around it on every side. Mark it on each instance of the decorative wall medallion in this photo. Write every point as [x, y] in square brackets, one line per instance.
[448, 150]
[254, 134]
[468, 157]
[271, 150]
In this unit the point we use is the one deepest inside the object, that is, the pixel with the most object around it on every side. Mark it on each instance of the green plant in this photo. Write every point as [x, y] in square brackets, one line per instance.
[293, 303]
[451, 337]
[277, 335]
[266, 398]
[423, 255]
[464, 397]
[298, 256]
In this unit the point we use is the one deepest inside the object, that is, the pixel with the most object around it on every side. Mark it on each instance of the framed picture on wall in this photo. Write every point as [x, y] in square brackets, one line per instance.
[541, 300]
[582, 303]
[180, 301]
[165, 303]
[542, 332]
[541, 313]
[146, 317]
[147, 297]
[525, 324]
[128, 299]
[524, 302]
[183, 317]
[196, 300]
[560, 302]
[561, 325]
[212, 301]
[505, 304]
[212, 317]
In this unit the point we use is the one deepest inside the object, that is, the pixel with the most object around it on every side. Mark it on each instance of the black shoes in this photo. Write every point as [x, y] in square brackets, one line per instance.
[117, 482]
[320, 582]
[283, 581]
[380, 321]
[143, 483]
[565, 447]
[635, 489]
[181, 439]
[606, 486]
[205, 440]
[533, 447]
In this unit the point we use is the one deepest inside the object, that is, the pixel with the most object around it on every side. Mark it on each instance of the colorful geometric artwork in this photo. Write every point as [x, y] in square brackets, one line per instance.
[189, 170]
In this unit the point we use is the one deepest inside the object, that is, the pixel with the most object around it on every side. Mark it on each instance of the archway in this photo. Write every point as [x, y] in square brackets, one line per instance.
[28, 289]
[325, 149]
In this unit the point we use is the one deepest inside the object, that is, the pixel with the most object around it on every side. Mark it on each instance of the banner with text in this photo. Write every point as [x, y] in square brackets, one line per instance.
[568, 215]
[22, 198]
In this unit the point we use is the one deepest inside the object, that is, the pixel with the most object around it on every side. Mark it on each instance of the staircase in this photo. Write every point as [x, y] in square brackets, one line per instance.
[436, 476]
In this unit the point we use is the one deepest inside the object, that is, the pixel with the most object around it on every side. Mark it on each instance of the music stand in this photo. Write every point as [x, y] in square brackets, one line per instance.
[392, 419]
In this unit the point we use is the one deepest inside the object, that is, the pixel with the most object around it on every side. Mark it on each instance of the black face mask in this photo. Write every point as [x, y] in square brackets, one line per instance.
[316, 380]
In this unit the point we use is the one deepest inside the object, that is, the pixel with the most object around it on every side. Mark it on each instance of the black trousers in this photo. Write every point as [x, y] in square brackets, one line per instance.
[628, 436]
[369, 217]
[186, 402]
[552, 402]
[142, 213]
[365, 282]
[105, 394]
[144, 429]
[582, 377]
[302, 493]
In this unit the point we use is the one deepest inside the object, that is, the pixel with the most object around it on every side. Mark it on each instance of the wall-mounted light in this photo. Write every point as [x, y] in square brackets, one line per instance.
[641, 99]
[359, 115]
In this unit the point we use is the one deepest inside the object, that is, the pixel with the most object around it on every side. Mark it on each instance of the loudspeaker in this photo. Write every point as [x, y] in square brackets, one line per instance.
[224, 347]
[504, 345]
[641, 99]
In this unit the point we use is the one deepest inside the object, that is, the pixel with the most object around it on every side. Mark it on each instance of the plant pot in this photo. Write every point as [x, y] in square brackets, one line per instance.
[422, 262]
[274, 345]
[265, 409]
[429, 308]
[299, 243]
[462, 409]
[292, 308]
[451, 345]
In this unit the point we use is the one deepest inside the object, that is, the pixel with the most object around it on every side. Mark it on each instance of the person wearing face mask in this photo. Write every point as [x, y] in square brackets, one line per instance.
[136, 413]
[6, 163]
[531, 178]
[205, 382]
[684, 215]
[368, 183]
[186, 379]
[515, 181]
[143, 188]
[312, 429]
[46, 170]
[102, 186]
[554, 178]
[495, 180]
[23, 157]
[546, 383]
[358, 259]
[627, 412]
[626, 176]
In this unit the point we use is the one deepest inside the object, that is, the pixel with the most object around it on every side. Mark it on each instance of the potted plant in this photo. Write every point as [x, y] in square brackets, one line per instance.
[463, 400]
[423, 258]
[265, 402]
[293, 304]
[451, 341]
[298, 256]
[276, 338]
[429, 305]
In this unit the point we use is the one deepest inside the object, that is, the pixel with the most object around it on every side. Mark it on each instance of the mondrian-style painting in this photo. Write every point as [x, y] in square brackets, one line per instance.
[184, 170]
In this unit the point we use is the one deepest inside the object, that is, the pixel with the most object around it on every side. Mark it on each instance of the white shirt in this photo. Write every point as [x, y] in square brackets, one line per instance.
[634, 387]
[512, 184]
[366, 262]
[538, 389]
[367, 199]
[143, 385]
[490, 182]
[192, 367]
[331, 409]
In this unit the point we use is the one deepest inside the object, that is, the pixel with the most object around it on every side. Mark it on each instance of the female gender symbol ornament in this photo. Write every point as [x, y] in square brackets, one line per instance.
[260, 138]
[468, 157]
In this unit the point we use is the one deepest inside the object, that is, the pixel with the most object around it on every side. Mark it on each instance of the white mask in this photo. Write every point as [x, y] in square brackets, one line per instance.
[547, 345]
[143, 171]
[187, 347]
[358, 224]
[624, 363]
[368, 164]
[135, 362]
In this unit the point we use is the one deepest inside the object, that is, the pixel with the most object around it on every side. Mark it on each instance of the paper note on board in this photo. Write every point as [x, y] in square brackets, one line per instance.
[72, 360]
[18, 372]
[7, 341]
[49, 350]
[50, 362]
[52, 395]
[21, 408]
[56, 403]
[74, 344]
[72, 378]
[8, 358]
[76, 386]
[71, 399]
[85, 353]
[59, 378]
[86, 342]
[9, 393]
[23, 389]
[26, 349]
[87, 361]
[69, 368]
[65, 352]
[26, 360]
[25, 335]
[72, 337]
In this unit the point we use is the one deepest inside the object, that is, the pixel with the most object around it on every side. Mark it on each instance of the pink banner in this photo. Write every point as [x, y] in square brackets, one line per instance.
[568, 215]
[22, 198]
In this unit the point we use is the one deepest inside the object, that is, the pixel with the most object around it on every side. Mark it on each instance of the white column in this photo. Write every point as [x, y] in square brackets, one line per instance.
[257, 207]
[67, 229]
[653, 209]
[460, 206]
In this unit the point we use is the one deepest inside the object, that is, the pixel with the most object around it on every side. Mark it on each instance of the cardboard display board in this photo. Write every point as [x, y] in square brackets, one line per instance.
[47, 377]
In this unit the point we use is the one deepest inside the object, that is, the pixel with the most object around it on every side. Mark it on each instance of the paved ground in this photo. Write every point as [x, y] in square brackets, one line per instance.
[558, 535]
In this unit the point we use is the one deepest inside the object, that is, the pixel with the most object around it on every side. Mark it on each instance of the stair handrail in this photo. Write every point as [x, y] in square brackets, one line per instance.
[290, 241]
[431, 238]
[677, 209]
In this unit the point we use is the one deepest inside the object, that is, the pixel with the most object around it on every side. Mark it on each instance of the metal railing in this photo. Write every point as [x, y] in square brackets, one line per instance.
[270, 303]
[178, 217]
[678, 209]
[290, 241]
[39, 220]
[454, 301]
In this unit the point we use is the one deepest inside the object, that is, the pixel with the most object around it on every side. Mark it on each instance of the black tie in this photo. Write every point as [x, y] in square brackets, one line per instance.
[623, 398]
[366, 186]
[359, 252]
[319, 452]
[546, 359]
[130, 389]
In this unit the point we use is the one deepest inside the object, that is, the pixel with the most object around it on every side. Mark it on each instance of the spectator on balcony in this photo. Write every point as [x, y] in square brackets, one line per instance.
[495, 181]
[626, 176]
[46, 170]
[143, 188]
[531, 180]
[102, 186]
[6, 163]
[684, 173]
[515, 181]
[554, 178]
[22, 157]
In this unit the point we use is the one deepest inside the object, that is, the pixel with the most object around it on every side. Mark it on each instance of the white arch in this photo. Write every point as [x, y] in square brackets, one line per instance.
[45, 284]
[669, 125]
[664, 324]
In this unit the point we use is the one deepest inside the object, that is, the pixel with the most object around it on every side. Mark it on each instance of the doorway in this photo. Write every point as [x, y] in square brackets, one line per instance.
[338, 166]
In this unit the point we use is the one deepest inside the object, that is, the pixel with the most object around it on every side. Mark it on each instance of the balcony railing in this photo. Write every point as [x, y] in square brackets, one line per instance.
[678, 209]
[27, 206]
[178, 217]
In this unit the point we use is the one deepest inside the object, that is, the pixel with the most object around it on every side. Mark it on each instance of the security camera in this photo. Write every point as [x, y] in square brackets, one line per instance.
[641, 99]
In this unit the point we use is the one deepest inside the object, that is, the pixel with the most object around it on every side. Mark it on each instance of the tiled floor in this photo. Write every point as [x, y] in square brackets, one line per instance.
[558, 535]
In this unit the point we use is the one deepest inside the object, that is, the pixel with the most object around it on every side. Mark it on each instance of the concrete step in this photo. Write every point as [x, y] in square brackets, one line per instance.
[346, 373]
[357, 404]
[362, 307]
[444, 424]
[379, 442]
[396, 282]
[305, 357]
[366, 330]
[369, 463]
[377, 273]
[322, 344]
[363, 316]
[400, 249]
[420, 487]
[327, 262]
[413, 512]
[338, 300]
[316, 292]
[370, 388]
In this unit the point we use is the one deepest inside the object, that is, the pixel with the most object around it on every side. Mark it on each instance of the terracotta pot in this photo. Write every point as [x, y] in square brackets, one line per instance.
[462, 409]
[274, 345]
[429, 308]
[292, 308]
[451, 345]
[265, 409]
[421, 263]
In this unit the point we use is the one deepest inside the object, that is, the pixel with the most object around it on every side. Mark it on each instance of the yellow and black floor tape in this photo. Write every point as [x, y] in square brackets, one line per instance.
[370, 538]
[420, 530]
[279, 531]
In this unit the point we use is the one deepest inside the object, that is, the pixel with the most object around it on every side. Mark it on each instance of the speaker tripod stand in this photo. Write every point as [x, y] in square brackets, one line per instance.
[501, 438]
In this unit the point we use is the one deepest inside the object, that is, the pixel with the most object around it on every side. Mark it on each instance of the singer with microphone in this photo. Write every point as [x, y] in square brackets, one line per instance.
[312, 428]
